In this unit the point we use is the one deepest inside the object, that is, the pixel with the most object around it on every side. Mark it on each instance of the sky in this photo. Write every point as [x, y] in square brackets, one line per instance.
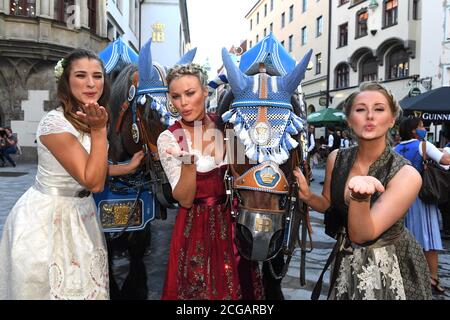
[215, 24]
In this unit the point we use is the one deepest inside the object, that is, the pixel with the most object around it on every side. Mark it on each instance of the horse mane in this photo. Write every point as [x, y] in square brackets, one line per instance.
[119, 90]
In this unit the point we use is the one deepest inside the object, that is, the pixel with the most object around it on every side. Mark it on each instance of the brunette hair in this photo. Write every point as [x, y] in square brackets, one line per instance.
[407, 126]
[68, 102]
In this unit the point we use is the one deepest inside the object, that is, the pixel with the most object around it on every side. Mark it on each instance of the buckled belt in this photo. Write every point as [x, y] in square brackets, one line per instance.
[83, 193]
[61, 192]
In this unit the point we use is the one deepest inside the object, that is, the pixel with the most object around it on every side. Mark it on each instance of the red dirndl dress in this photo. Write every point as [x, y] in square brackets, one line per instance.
[204, 263]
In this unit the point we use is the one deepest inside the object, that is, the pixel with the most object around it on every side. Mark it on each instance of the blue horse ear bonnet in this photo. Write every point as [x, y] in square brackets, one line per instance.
[276, 59]
[265, 132]
[152, 81]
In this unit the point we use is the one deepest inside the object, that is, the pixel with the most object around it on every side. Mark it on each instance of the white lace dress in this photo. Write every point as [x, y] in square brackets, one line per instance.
[52, 246]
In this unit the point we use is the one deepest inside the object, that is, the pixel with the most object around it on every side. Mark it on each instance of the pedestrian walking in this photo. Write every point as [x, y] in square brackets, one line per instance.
[375, 256]
[334, 142]
[203, 261]
[52, 245]
[423, 218]
[311, 147]
[345, 142]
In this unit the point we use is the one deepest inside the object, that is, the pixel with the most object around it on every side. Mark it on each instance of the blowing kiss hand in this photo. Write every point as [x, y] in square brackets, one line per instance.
[183, 156]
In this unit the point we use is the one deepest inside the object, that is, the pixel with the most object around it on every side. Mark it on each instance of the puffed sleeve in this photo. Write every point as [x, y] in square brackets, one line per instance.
[170, 164]
[55, 122]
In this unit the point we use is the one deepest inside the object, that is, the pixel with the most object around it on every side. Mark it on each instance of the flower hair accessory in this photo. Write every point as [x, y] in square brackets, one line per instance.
[59, 69]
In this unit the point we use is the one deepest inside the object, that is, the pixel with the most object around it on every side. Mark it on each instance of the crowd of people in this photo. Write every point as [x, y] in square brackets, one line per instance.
[387, 246]
[8, 146]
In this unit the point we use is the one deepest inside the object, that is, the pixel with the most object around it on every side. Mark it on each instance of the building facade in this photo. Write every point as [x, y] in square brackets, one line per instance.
[34, 35]
[445, 60]
[388, 41]
[404, 44]
[123, 20]
[166, 22]
[299, 26]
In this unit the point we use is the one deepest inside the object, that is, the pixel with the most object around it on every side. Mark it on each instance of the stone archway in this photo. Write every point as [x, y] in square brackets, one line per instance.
[388, 44]
[357, 55]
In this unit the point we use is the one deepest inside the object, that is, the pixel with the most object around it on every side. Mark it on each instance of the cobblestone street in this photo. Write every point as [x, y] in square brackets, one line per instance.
[15, 181]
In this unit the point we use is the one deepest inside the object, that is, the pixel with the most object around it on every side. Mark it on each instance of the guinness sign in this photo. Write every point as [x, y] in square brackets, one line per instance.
[431, 116]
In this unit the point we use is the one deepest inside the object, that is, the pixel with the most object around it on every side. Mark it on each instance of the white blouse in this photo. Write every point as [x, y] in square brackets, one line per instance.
[172, 165]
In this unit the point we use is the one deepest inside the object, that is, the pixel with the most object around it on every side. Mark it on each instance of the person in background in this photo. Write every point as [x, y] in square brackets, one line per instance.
[2, 145]
[311, 147]
[345, 142]
[334, 142]
[445, 207]
[422, 218]
[375, 256]
[10, 145]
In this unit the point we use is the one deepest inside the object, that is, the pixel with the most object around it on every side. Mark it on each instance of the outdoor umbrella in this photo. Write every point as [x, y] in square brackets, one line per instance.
[326, 117]
[431, 105]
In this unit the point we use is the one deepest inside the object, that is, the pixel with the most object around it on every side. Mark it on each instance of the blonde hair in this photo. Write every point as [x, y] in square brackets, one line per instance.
[372, 86]
[191, 69]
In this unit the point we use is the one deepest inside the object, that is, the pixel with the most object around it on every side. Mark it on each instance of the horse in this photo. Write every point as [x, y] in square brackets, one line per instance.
[136, 121]
[267, 210]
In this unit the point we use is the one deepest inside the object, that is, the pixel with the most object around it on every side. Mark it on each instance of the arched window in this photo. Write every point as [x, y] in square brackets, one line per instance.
[311, 109]
[397, 64]
[368, 69]
[342, 76]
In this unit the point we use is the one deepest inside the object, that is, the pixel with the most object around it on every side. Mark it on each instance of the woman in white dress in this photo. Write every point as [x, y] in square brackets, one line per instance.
[52, 245]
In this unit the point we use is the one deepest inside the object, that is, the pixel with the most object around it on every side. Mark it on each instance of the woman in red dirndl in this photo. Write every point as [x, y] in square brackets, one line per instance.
[204, 263]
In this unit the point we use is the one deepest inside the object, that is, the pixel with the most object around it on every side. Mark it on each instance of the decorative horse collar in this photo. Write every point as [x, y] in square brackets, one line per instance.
[266, 177]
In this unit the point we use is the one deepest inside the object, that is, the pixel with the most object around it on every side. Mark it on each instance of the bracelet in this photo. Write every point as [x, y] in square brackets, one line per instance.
[359, 197]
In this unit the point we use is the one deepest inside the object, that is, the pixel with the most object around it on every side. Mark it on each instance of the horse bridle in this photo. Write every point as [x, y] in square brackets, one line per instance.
[235, 182]
[151, 160]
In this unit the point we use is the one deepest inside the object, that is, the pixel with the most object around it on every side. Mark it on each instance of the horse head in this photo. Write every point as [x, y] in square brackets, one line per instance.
[140, 106]
[263, 152]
